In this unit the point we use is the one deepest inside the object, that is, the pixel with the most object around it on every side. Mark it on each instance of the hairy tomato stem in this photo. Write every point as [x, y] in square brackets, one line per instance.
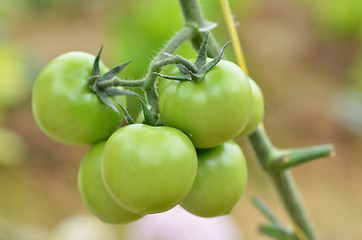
[149, 84]
[192, 13]
[118, 82]
[180, 37]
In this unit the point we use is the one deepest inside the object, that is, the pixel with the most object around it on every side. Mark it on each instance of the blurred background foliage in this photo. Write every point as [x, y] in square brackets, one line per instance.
[305, 55]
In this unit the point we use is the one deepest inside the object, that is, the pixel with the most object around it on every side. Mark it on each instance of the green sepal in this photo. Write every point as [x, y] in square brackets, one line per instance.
[149, 120]
[113, 72]
[103, 96]
[104, 93]
[202, 54]
[204, 69]
[92, 80]
[178, 78]
[95, 70]
[116, 91]
[127, 116]
[182, 68]
[193, 72]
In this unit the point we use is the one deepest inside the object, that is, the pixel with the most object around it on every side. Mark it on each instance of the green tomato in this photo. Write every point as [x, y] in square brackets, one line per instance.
[220, 181]
[148, 169]
[66, 109]
[257, 111]
[214, 110]
[94, 193]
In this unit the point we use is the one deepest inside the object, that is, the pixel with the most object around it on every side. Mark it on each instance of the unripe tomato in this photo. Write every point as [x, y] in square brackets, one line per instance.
[65, 108]
[148, 169]
[93, 192]
[220, 181]
[214, 110]
[257, 111]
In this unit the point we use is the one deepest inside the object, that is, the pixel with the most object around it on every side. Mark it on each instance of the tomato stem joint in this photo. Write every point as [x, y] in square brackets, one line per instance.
[192, 72]
[104, 93]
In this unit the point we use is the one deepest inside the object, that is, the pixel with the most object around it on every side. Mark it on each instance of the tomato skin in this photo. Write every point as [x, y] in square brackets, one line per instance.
[220, 181]
[214, 110]
[65, 108]
[148, 169]
[94, 193]
[257, 111]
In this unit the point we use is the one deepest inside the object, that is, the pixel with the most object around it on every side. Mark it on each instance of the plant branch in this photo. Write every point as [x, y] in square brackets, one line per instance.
[271, 159]
[180, 37]
[295, 157]
[192, 13]
[264, 209]
[277, 232]
[149, 84]
[274, 229]
[176, 60]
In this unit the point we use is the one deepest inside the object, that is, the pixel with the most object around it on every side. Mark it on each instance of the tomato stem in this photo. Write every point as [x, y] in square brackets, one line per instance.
[192, 72]
[149, 84]
[295, 157]
[118, 82]
[170, 48]
[272, 161]
[193, 16]
[277, 232]
[274, 229]
[176, 60]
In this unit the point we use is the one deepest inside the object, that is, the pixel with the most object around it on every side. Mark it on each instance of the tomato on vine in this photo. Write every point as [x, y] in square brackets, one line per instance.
[211, 101]
[220, 181]
[148, 169]
[94, 193]
[257, 111]
[65, 106]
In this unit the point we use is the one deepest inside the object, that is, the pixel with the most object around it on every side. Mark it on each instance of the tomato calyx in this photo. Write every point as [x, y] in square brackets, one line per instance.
[148, 118]
[104, 93]
[192, 72]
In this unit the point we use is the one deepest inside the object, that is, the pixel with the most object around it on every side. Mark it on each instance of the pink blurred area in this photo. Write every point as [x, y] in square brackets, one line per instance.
[178, 224]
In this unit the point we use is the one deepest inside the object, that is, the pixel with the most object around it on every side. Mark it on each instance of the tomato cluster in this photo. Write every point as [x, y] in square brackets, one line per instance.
[189, 158]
